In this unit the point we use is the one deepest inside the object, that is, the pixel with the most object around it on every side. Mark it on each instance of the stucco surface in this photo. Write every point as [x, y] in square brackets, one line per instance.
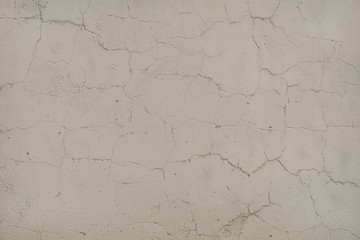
[179, 119]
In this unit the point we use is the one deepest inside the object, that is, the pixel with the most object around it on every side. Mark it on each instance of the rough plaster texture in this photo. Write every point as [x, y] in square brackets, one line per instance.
[179, 119]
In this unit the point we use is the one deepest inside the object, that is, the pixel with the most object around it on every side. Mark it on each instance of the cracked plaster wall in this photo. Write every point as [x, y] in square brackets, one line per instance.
[179, 119]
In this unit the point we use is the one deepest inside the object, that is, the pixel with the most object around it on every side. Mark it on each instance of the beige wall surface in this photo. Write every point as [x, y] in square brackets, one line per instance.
[179, 119]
